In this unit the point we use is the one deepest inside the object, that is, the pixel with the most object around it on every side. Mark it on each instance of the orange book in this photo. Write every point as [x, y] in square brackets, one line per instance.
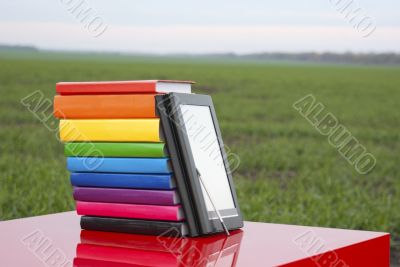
[104, 106]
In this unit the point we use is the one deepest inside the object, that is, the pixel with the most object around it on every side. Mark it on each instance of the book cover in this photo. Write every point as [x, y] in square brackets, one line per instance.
[112, 130]
[134, 211]
[129, 196]
[104, 106]
[121, 180]
[119, 165]
[93, 149]
[123, 87]
[130, 226]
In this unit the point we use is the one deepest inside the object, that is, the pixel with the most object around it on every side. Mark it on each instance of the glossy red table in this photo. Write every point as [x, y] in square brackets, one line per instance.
[57, 240]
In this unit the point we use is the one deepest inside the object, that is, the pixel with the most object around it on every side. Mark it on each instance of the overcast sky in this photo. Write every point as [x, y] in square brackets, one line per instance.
[177, 26]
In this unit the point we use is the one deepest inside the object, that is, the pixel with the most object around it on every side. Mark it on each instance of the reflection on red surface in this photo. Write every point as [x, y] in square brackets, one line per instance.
[122, 250]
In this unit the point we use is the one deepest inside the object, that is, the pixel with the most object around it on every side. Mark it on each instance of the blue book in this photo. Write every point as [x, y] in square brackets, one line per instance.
[119, 165]
[121, 180]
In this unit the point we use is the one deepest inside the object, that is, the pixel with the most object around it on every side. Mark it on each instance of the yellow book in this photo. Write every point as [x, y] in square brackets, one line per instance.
[114, 130]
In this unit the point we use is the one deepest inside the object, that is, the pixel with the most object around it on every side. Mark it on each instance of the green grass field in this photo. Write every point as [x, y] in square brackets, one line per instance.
[288, 172]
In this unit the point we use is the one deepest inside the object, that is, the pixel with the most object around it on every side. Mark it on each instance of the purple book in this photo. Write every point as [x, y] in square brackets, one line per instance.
[131, 196]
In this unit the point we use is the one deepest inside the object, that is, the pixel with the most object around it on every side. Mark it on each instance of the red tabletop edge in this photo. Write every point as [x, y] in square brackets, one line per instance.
[260, 244]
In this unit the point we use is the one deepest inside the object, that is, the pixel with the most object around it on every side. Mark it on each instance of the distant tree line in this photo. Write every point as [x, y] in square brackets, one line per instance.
[343, 58]
[17, 48]
[312, 57]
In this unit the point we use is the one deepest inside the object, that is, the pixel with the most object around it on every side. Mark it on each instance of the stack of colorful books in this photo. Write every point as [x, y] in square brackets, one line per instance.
[120, 171]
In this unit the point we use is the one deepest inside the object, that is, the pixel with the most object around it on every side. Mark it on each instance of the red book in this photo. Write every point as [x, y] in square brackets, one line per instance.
[134, 211]
[126, 255]
[81, 262]
[135, 241]
[123, 87]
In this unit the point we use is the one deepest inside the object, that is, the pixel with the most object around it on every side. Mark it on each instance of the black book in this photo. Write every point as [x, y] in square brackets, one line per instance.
[134, 226]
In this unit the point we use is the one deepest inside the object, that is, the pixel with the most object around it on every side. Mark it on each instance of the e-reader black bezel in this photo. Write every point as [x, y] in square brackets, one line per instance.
[186, 165]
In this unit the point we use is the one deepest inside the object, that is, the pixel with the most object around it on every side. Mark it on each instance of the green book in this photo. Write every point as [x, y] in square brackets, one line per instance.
[98, 149]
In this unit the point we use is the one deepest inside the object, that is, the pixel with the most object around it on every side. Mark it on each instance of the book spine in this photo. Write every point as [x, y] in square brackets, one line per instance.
[118, 165]
[134, 211]
[129, 196]
[93, 149]
[131, 226]
[89, 88]
[104, 106]
[119, 180]
[117, 130]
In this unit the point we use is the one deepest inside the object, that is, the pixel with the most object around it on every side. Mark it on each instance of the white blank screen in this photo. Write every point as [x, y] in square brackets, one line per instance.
[207, 156]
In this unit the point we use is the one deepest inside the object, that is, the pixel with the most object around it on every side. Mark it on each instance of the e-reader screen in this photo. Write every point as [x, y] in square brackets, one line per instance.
[207, 155]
